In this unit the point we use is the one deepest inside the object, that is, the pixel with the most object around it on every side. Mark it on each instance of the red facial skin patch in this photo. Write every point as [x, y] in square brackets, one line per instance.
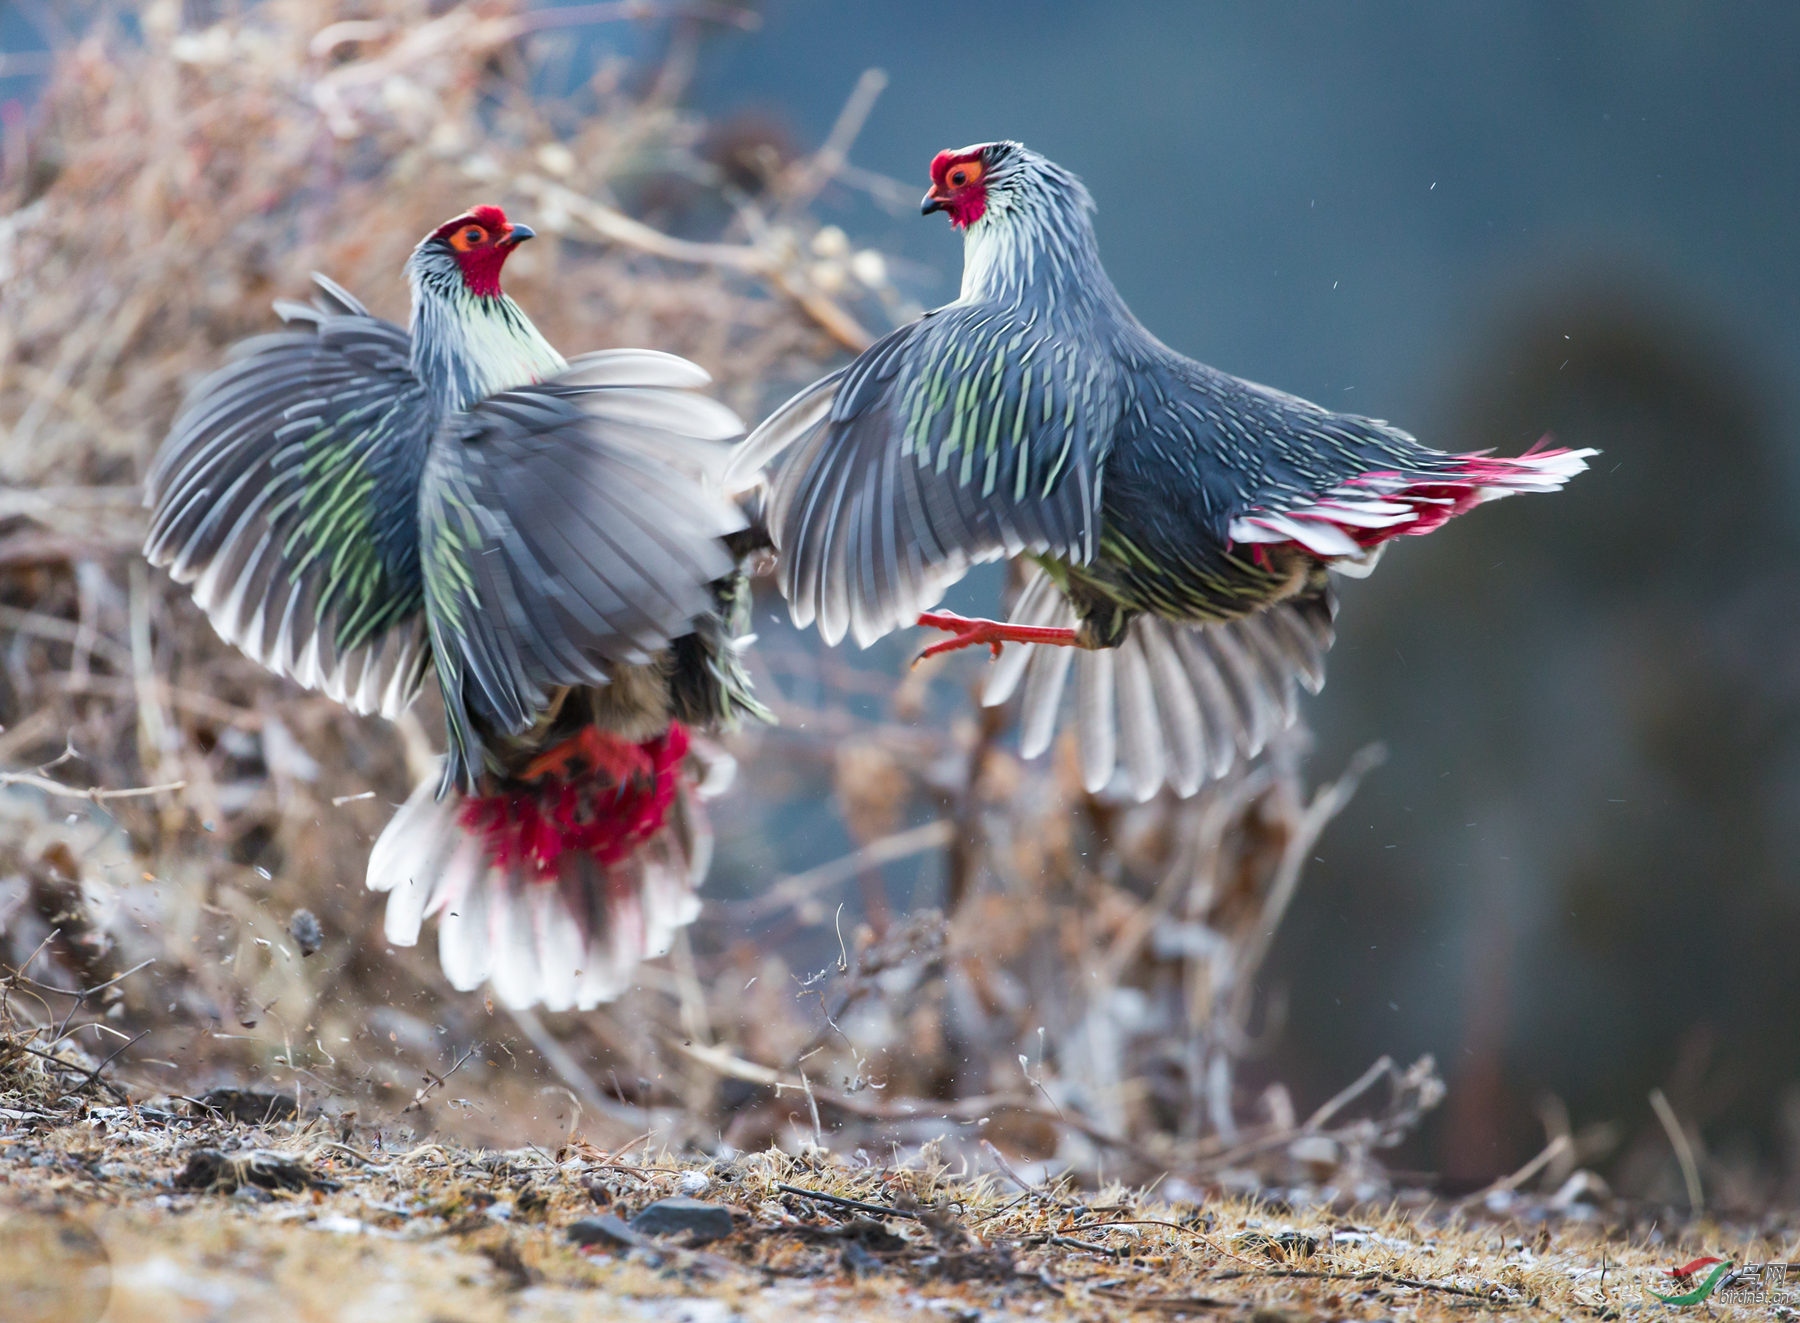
[480, 240]
[964, 202]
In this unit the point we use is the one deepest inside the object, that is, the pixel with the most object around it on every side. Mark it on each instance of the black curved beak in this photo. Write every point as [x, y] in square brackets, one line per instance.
[931, 203]
[518, 234]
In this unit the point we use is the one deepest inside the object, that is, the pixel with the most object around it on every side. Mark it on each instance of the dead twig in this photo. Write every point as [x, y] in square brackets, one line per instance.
[999, 1160]
[1327, 802]
[841, 1201]
[93, 795]
[434, 1082]
[1070, 1242]
[1383, 1068]
[1173, 1303]
[1550, 1153]
[567, 1068]
[1684, 1150]
[798, 887]
[92, 1076]
[897, 1109]
[736, 16]
[828, 162]
[768, 263]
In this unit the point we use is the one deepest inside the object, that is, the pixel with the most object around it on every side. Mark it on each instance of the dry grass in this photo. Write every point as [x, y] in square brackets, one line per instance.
[1061, 1002]
[332, 1223]
[173, 1208]
[1086, 999]
[917, 949]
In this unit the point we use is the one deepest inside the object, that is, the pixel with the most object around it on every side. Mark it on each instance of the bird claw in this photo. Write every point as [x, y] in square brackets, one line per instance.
[992, 634]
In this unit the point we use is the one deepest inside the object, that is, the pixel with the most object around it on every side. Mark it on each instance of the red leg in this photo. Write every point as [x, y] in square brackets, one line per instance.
[554, 761]
[967, 633]
[601, 752]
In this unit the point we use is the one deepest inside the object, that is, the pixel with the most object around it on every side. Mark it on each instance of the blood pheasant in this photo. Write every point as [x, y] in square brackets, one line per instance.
[1181, 523]
[357, 506]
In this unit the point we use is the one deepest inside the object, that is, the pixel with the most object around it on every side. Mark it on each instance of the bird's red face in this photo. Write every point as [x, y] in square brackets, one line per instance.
[481, 239]
[958, 188]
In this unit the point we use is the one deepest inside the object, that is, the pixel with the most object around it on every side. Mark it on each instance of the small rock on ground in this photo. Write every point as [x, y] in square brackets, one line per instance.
[703, 1222]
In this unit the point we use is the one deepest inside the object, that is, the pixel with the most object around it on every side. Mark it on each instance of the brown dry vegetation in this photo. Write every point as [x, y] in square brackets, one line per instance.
[169, 191]
[185, 1213]
[1076, 998]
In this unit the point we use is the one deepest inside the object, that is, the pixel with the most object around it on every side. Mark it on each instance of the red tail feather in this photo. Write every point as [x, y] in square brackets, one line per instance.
[595, 794]
[1369, 509]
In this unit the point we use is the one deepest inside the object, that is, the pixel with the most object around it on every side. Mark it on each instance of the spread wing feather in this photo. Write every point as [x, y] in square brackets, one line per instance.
[341, 531]
[281, 497]
[963, 437]
[557, 541]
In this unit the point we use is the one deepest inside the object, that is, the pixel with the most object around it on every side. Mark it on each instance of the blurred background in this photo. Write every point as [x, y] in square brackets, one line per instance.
[1573, 881]
[1577, 873]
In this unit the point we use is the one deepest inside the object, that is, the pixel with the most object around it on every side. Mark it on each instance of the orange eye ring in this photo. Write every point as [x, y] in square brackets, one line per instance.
[472, 236]
[963, 173]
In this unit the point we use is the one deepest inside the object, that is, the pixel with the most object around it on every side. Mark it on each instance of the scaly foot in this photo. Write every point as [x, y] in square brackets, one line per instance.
[967, 633]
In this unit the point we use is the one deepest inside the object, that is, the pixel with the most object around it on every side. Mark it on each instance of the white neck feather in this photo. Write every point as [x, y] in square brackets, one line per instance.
[467, 347]
[991, 257]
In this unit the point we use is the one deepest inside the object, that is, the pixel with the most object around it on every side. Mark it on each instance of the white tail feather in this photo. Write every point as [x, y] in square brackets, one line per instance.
[1172, 704]
[566, 943]
[1096, 719]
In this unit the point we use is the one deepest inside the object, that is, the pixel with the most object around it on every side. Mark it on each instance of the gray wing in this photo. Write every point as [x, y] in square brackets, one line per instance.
[968, 435]
[1172, 703]
[559, 539]
[283, 495]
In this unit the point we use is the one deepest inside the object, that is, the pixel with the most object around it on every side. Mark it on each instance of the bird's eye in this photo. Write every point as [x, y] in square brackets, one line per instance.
[963, 174]
[468, 238]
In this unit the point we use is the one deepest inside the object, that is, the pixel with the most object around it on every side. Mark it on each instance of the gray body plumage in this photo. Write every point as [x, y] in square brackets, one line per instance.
[1036, 416]
[356, 505]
